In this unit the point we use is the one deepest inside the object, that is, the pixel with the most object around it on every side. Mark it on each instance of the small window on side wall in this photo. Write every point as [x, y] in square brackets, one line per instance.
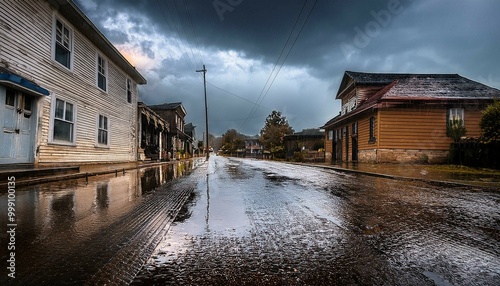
[129, 90]
[372, 138]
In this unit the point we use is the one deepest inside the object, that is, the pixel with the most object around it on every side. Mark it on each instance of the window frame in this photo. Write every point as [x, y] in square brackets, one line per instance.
[56, 43]
[53, 119]
[372, 138]
[100, 128]
[104, 73]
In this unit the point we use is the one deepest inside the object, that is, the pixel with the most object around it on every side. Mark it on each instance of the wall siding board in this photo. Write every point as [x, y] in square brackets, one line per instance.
[27, 50]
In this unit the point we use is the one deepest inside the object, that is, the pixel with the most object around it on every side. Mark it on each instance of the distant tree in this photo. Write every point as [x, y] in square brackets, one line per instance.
[271, 136]
[490, 123]
[232, 141]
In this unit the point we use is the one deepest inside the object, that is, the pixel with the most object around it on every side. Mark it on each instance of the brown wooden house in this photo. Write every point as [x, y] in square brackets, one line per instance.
[402, 117]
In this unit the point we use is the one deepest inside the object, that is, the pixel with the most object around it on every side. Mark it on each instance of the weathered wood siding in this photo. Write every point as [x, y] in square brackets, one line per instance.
[26, 32]
[422, 128]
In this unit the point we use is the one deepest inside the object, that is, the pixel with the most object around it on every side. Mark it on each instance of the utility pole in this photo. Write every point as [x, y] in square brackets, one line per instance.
[204, 70]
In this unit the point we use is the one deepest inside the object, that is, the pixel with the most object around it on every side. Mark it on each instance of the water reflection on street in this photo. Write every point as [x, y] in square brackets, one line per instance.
[254, 222]
[53, 218]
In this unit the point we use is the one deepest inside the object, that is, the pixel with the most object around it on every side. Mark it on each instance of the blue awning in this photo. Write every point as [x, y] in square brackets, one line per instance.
[22, 83]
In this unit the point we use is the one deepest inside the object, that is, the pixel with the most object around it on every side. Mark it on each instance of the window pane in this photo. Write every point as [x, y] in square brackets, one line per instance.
[62, 55]
[63, 131]
[27, 103]
[10, 98]
[102, 137]
[105, 125]
[101, 81]
[59, 109]
[69, 112]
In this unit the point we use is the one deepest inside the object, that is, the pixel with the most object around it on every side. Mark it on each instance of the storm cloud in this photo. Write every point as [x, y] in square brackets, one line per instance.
[290, 55]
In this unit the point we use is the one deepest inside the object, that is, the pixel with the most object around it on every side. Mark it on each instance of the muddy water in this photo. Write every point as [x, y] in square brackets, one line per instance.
[267, 223]
[67, 231]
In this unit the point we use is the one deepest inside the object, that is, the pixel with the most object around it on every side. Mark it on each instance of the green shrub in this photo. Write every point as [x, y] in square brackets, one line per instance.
[490, 123]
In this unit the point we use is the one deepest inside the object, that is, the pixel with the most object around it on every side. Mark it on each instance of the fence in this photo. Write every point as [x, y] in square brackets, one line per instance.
[476, 154]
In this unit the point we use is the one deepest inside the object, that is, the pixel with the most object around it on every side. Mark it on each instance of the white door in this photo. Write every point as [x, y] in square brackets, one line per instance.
[17, 123]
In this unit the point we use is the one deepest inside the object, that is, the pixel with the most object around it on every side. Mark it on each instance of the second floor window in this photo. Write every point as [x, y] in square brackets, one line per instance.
[129, 90]
[102, 72]
[63, 44]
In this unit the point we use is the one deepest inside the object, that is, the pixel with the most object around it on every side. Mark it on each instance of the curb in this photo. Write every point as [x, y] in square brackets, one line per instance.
[396, 177]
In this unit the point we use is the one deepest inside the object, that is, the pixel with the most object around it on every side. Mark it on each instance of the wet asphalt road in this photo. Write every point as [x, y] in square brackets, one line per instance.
[251, 222]
[268, 223]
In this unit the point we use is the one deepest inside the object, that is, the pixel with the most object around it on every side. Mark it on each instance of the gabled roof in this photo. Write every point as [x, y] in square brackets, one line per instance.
[420, 85]
[412, 88]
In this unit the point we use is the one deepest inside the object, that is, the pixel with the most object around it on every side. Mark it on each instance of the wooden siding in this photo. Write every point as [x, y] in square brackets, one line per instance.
[413, 128]
[26, 48]
[422, 128]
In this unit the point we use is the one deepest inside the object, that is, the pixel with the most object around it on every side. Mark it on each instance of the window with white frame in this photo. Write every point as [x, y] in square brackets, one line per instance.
[129, 90]
[330, 134]
[102, 130]
[63, 44]
[102, 72]
[63, 122]
[456, 115]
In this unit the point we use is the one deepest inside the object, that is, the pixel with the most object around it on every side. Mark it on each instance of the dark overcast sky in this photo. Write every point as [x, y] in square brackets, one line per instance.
[308, 44]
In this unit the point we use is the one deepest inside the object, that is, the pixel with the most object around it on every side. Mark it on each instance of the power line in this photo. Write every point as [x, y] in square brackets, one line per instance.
[263, 94]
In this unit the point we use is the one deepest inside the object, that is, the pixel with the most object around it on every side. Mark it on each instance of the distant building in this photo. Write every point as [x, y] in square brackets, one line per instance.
[174, 114]
[153, 138]
[402, 117]
[308, 140]
[253, 148]
[67, 95]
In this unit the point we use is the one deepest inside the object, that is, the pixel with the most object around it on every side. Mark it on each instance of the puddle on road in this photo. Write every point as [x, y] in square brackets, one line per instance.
[54, 217]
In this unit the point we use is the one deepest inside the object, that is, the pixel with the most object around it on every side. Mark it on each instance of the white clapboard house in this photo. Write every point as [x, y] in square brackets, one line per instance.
[67, 95]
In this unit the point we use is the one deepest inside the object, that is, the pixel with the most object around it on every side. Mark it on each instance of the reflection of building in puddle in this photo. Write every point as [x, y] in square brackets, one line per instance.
[81, 208]
[102, 196]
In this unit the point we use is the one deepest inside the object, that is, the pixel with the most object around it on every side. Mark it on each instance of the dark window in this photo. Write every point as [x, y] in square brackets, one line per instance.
[129, 90]
[354, 130]
[372, 129]
[10, 99]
